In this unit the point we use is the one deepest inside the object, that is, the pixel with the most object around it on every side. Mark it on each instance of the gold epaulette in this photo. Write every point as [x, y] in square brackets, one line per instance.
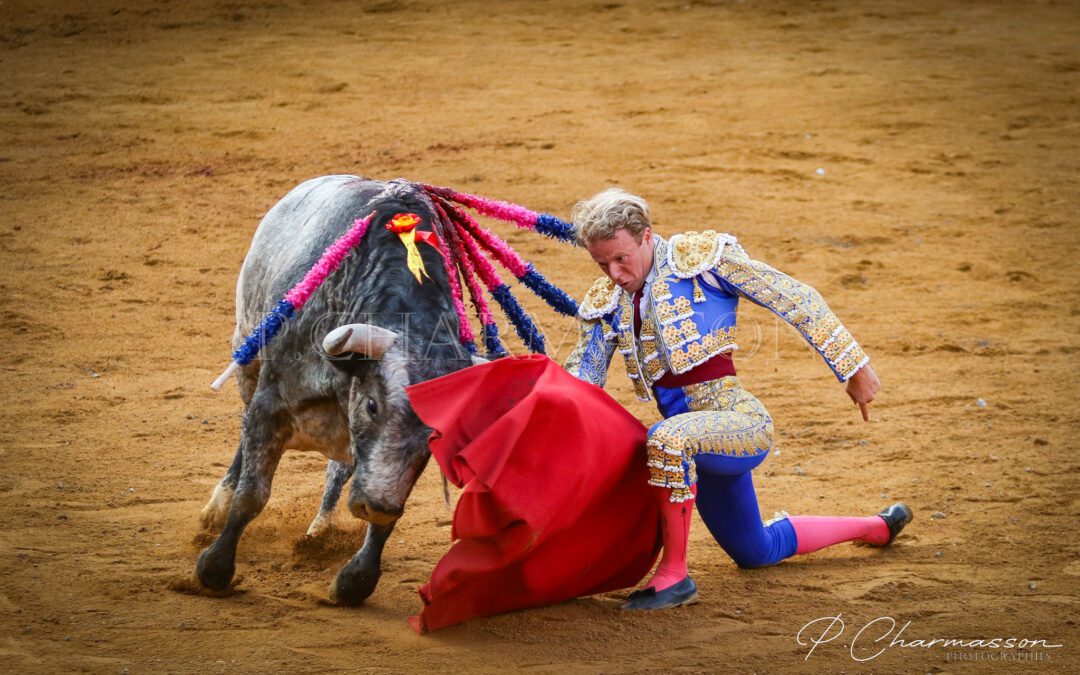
[691, 253]
[600, 300]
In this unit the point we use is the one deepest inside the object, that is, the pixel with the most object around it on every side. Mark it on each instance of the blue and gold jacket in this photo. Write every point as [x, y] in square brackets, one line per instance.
[688, 315]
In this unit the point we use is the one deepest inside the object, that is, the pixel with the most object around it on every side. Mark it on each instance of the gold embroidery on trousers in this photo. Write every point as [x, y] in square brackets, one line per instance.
[724, 419]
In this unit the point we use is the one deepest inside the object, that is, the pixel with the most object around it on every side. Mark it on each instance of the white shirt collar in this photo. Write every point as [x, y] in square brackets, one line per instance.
[651, 276]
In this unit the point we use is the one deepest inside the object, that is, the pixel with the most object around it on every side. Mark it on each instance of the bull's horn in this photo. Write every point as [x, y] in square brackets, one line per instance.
[360, 338]
[479, 360]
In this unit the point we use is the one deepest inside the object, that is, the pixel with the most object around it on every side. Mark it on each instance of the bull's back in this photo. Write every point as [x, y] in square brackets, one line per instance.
[293, 235]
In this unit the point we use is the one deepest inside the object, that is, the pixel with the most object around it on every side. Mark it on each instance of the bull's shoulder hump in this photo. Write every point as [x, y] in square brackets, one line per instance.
[294, 233]
[320, 188]
[316, 202]
[338, 178]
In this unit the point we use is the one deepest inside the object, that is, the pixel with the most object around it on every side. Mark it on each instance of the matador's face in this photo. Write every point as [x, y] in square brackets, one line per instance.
[623, 259]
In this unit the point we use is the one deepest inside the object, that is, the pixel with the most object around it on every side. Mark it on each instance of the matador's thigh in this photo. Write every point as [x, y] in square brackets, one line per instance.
[723, 421]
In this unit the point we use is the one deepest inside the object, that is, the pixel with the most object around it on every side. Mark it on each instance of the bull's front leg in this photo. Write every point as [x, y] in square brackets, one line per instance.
[358, 578]
[337, 475]
[262, 445]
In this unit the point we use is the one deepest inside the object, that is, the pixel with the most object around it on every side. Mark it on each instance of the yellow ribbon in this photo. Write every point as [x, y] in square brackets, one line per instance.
[414, 261]
[404, 226]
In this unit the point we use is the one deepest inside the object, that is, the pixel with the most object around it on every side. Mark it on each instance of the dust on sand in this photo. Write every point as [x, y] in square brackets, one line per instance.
[915, 161]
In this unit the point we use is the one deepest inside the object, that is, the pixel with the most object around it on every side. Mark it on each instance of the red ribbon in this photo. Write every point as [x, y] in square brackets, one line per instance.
[431, 239]
[404, 222]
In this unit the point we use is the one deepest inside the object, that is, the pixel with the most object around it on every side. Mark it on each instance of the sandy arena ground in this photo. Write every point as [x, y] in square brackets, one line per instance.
[916, 161]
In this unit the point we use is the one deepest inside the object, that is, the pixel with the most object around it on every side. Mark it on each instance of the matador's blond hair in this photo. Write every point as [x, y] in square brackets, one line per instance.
[601, 216]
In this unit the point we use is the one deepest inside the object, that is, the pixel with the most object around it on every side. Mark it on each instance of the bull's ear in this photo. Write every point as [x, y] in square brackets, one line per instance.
[359, 338]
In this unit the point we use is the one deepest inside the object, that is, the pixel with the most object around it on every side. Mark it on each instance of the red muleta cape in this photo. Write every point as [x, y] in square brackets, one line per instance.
[555, 501]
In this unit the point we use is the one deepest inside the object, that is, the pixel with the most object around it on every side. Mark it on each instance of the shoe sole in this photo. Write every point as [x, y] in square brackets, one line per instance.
[688, 601]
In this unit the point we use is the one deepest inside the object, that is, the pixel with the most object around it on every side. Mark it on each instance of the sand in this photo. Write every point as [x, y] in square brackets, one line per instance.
[916, 162]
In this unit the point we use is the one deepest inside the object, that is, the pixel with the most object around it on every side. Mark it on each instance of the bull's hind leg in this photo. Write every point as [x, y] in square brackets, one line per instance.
[216, 510]
[358, 578]
[262, 445]
[337, 475]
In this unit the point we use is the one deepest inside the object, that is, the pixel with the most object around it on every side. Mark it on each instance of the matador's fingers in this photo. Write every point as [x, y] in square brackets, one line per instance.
[865, 411]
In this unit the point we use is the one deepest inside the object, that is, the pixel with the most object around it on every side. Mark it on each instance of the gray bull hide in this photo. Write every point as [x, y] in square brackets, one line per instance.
[333, 380]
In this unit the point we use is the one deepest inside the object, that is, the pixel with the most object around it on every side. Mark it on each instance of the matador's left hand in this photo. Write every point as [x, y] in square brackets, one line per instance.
[861, 387]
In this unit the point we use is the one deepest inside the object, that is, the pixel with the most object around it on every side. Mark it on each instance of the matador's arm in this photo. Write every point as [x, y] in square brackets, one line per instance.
[794, 302]
[596, 335]
[592, 355]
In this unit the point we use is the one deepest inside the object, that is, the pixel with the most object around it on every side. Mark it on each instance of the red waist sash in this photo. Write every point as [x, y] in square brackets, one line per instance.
[718, 366]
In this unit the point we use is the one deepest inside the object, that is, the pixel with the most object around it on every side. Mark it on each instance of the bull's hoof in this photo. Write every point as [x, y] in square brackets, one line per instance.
[352, 586]
[214, 570]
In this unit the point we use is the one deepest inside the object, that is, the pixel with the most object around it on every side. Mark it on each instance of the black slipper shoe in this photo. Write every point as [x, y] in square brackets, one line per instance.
[896, 517]
[682, 593]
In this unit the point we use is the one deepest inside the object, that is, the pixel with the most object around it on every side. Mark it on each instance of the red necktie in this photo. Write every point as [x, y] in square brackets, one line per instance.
[637, 310]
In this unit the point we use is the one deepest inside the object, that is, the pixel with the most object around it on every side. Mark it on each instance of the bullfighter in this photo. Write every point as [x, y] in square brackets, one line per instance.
[668, 306]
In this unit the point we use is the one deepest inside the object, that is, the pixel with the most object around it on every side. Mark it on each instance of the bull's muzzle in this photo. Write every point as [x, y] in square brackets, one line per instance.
[374, 513]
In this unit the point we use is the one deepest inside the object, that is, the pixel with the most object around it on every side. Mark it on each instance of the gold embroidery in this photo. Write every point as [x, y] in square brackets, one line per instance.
[798, 304]
[680, 361]
[691, 253]
[660, 290]
[837, 344]
[850, 362]
[600, 299]
[689, 330]
[823, 329]
[648, 349]
[721, 394]
[670, 312]
[692, 353]
[727, 420]
[665, 313]
[712, 342]
[682, 307]
[648, 338]
[699, 295]
[697, 352]
[654, 369]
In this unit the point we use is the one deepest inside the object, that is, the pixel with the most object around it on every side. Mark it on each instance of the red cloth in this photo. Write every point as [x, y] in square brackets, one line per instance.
[555, 502]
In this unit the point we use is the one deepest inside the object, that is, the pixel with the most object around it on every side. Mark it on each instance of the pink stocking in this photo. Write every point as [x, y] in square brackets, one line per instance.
[817, 532]
[675, 535]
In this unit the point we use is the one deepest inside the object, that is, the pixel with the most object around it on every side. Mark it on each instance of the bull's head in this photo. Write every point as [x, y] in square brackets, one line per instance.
[389, 442]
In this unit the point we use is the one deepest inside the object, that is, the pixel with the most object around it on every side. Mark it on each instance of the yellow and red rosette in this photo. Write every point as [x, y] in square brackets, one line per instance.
[404, 226]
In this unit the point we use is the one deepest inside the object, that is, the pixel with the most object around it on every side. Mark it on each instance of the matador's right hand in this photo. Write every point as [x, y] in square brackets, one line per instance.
[861, 387]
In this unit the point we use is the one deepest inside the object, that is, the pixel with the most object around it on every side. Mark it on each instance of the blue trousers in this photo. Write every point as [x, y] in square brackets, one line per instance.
[740, 435]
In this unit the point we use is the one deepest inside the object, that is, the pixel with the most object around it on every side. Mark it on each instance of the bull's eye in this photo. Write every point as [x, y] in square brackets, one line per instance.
[372, 407]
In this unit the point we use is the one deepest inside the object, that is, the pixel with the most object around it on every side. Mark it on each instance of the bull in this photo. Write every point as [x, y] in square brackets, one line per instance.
[334, 381]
